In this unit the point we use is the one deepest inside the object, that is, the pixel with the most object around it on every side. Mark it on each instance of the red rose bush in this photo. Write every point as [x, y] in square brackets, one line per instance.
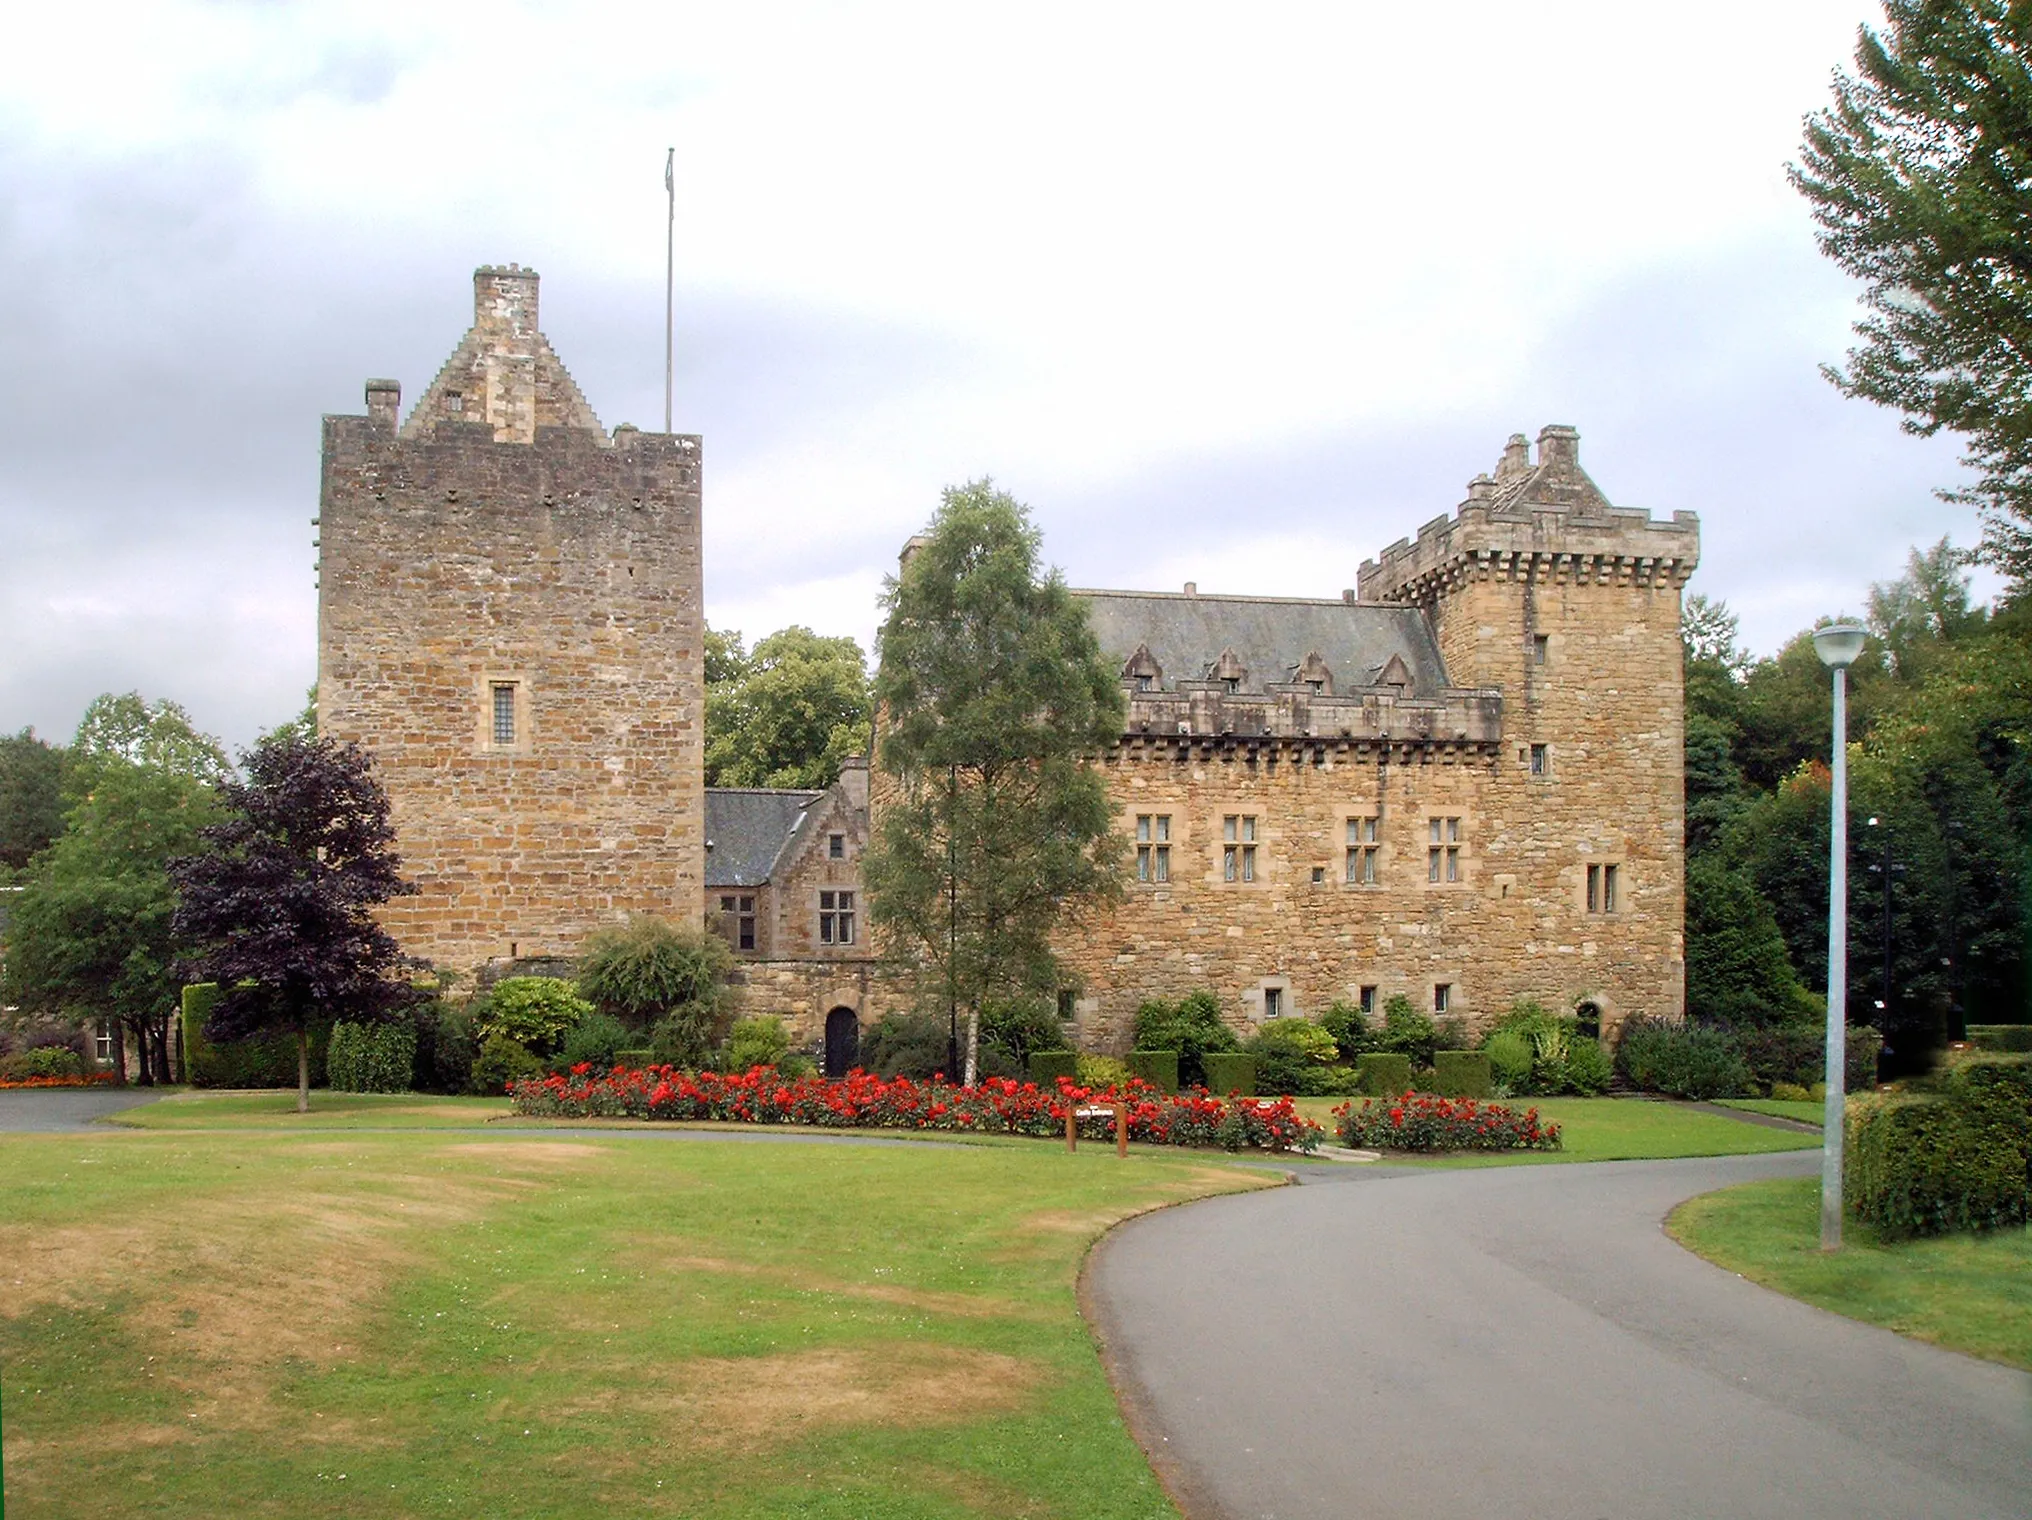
[995, 1106]
[1427, 1122]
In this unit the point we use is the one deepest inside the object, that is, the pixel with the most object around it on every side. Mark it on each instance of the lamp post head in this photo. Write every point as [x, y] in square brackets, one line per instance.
[1838, 644]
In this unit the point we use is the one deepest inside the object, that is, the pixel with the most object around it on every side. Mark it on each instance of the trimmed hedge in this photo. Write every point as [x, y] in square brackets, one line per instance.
[1929, 1165]
[267, 1060]
[2001, 1037]
[1462, 1074]
[634, 1058]
[1157, 1067]
[1047, 1066]
[371, 1058]
[1230, 1072]
[1383, 1074]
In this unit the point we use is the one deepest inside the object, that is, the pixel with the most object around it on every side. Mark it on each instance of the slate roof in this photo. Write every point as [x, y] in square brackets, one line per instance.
[748, 829]
[1270, 635]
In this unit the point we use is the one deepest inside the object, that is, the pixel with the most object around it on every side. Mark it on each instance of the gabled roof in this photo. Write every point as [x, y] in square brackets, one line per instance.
[504, 372]
[1188, 635]
[747, 831]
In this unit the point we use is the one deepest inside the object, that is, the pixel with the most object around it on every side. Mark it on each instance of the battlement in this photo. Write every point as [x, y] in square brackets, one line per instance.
[1540, 522]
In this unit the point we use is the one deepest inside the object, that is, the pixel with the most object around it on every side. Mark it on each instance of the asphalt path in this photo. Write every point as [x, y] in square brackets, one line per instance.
[1526, 1341]
[55, 1110]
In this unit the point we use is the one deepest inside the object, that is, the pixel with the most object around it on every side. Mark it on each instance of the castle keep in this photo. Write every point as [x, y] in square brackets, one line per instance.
[1460, 782]
[510, 617]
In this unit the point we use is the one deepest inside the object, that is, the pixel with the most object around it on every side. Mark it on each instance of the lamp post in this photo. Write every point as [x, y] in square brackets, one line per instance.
[1838, 644]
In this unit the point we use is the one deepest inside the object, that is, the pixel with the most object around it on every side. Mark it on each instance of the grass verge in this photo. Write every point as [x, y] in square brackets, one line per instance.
[1964, 1292]
[1611, 1129]
[196, 1109]
[1778, 1108]
[411, 1324]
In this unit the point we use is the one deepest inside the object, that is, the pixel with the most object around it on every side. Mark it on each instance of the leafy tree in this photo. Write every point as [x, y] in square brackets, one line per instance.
[1192, 1026]
[1920, 176]
[1784, 717]
[1736, 962]
[673, 980]
[726, 658]
[158, 735]
[1712, 635]
[1926, 608]
[536, 1012]
[32, 775]
[281, 902]
[789, 713]
[93, 932]
[993, 691]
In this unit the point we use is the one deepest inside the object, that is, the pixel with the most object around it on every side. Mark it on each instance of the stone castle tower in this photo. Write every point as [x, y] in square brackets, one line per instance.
[510, 618]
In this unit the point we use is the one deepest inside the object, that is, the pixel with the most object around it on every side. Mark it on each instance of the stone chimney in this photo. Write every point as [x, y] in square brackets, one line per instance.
[910, 552]
[1516, 460]
[1559, 446]
[1481, 488]
[504, 300]
[384, 402]
[854, 782]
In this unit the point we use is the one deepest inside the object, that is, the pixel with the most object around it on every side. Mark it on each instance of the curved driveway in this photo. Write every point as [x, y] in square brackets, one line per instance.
[46, 1110]
[1527, 1342]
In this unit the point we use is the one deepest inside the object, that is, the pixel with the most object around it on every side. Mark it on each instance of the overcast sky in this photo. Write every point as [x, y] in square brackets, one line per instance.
[1236, 295]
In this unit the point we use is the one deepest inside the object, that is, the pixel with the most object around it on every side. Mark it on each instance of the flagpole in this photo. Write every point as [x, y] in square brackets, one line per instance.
[669, 273]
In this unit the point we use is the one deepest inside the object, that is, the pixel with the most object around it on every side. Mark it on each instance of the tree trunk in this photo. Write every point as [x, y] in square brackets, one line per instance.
[973, 1042]
[118, 1028]
[144, 1069]
[303, 1071]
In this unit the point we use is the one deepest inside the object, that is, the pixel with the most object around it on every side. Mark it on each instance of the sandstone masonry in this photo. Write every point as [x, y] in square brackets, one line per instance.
[510, 617]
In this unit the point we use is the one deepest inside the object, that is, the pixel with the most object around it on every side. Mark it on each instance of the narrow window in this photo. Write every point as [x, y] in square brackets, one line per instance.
[1318, 875]
[1608, 889]
[1442, 996]
[744, 924]
[1273, 1002]
[1366, 997]
[1442, 849]
[1153, 847]
[1594, 889]
[836, 846]
[1538, 760]
[1238, 847]
[454, 401]
[1066, 1005]
[1362, 849]
[835, 918]
[1541, 646]
[504, 712]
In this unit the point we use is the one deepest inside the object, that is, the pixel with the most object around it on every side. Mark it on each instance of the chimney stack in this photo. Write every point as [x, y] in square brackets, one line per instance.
[504, 299]
[384, 402]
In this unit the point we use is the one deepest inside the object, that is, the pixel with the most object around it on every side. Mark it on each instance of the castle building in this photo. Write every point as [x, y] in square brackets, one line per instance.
[1462, 782]
[510, 617]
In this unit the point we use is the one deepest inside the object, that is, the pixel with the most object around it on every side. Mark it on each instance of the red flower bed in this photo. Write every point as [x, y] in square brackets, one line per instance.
[1426, 1122]
[96, 1079]
[860, 1101]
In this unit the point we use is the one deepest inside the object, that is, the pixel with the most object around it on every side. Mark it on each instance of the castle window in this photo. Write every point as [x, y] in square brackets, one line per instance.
[1067, 1004]
[1153, 847]
[1541, 646]
[1442, 852]
[504, 712]
[1602, 884]
[1238, 847]
[1273, 1002]
[1362, 847]
[836, 918]
[737, 915]
[1317, 688]
[1231, 684]
[1142, 683]
[1318, 875]
[1442, 996]
[1365, 997]
[454, 401]
[1540, 760]
[836, 846]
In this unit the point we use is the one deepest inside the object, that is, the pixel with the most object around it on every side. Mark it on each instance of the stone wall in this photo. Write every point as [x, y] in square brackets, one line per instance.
[567, 570]
[803, 992]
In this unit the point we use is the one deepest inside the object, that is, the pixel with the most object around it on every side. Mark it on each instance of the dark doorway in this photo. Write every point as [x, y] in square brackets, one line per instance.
[842, 1042]
[1589, 1017]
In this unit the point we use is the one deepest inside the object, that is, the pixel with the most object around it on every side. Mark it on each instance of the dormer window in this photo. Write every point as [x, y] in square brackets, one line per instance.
[1314, 671]
[1229, 672]
[1141, 670]
[1231, 684]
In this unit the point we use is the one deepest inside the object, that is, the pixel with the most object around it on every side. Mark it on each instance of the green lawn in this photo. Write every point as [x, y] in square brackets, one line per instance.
[1614, 1129]
[1782, 1108]
[338, 1323]
[1965, 1292]
[196, 1109]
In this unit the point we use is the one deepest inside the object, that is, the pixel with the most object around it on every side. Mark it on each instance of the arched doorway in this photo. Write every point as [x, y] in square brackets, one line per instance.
[1587, 1014]
[842, 1042]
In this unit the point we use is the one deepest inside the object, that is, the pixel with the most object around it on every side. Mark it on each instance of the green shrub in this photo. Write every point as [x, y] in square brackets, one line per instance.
[683, 1037]
[502, 1061]
[1588, 1068]
[371, 1058]
[1683, 1060]
[1020, 1025]
[1157, 1067]
[635, 1057]
[1510, 1055]
[647, 969]
[1047, 1066]
[1790, 1092]
[536, 1012]
[1229, 1072]
[1462, 1074]
[595, 1041]
[1791, 1053]
[1864, 1047]
[1291, 1056]
[265, 1061]
[1100, 1071]
[446, 1044]
[42, 1061]
[994, 1061]
[909, 1045]
[2001, 1037]
[1407, 1032]
[1348, 1026]
[753, 1042]
[1384, 1074]
[1928, 1165]
[1192, 1026]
